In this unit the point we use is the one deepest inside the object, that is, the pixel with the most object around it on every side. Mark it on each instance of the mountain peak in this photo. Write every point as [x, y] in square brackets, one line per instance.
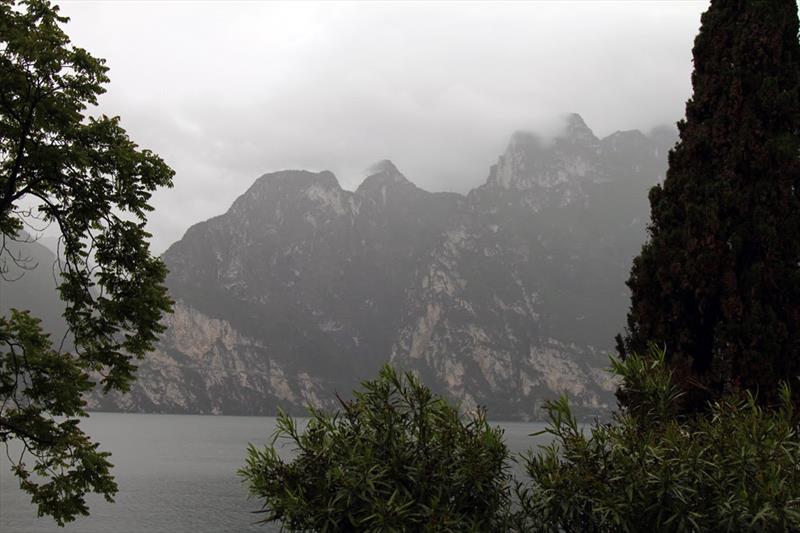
[575, 129]
[563, 161]
[299, 178]
[572, 129]
[381, 176]
[383, 166]
[274, 188]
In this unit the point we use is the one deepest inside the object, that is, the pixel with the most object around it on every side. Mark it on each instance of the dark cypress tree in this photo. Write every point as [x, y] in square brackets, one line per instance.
[718, 283]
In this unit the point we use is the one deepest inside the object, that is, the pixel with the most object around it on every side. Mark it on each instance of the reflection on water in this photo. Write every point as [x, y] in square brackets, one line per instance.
[176, 473]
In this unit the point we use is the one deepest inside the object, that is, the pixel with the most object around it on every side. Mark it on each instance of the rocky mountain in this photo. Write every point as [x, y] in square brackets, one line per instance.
[504, 297]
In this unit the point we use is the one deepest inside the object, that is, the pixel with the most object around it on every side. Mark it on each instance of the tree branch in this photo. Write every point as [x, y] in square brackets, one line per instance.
[8, 195]
[14, 429]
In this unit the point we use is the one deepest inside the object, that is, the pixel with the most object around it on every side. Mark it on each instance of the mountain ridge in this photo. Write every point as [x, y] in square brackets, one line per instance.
[501, 297]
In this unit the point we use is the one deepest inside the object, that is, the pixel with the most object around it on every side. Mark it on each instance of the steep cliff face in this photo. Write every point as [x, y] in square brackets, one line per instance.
[205, 365]
[521, 299]
[503, 298]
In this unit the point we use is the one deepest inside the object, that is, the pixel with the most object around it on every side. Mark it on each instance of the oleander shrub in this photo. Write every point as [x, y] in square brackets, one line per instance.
[735, 467]
[395, 458]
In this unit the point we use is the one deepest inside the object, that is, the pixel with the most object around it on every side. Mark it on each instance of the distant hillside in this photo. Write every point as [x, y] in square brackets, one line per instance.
[503, 297]
[30, 283]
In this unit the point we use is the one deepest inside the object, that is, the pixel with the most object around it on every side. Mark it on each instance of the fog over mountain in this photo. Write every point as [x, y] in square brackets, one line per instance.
[502, 297]
[225, 93]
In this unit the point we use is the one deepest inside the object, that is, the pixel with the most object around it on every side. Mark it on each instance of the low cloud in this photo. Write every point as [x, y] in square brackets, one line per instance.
[228, 91]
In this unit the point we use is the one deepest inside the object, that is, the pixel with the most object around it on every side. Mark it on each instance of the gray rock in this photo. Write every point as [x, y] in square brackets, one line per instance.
[504, 297]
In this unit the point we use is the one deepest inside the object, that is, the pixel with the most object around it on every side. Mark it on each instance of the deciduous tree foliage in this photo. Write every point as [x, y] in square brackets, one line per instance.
[84, 175]
[718, 283]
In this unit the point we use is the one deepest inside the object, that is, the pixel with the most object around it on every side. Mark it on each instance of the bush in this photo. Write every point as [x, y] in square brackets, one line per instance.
[736, 468]
[396, 458]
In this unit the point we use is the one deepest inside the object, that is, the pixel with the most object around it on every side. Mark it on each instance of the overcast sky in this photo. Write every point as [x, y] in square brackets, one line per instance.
[227, 91]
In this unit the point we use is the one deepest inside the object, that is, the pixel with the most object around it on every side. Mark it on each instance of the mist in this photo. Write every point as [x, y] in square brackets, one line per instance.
[225, 92]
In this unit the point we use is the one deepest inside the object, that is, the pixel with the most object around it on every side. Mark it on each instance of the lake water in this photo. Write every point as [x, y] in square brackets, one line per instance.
[176, 473]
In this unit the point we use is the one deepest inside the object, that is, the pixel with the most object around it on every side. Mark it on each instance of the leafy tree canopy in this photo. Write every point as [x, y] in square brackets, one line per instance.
[83, 174]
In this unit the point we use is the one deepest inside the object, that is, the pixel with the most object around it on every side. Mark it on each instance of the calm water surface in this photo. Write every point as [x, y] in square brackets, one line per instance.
[176, 474]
